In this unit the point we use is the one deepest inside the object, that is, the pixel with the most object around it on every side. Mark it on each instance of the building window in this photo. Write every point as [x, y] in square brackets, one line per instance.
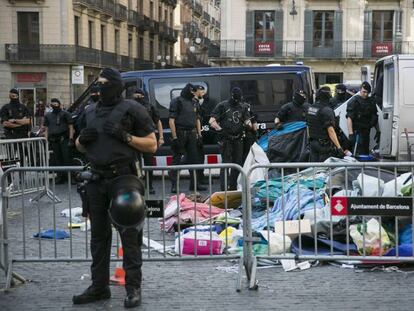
[171, 20]
[141, 6]
[323, 23]
[264, 26]
[28, 28]
[141, 48]
[90, 34]
[382, 26]
[159, 14]
[103, 37]
[151, 56]
[117, 42]
[130, 45]
[152, 9]
[77, 39]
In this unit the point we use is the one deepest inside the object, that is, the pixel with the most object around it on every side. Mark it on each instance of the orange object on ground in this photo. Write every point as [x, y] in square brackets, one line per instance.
[119, 275]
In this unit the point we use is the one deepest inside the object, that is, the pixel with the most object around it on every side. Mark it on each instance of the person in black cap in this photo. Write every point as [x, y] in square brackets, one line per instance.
[293, 111]
[15, 117]
[199, 96]
[184, 121]
[340, 96]
[230, 118]
[321, 128]
[139, 96]
[114, 132]
[59, 133]
[361, 114]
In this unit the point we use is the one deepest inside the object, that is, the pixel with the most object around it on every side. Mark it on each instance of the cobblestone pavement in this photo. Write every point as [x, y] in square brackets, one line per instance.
[189, 285]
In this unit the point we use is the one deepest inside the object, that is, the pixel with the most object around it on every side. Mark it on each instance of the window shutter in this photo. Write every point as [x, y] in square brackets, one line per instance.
[249, 33]
[337, 36]
[278, 33]
[367, 33]
[308, 34]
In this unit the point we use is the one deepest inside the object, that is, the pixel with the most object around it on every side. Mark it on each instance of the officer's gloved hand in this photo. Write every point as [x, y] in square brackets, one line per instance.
[88, 135]
[115, 130]
[352, 139]
[279, 126]
[340, 153]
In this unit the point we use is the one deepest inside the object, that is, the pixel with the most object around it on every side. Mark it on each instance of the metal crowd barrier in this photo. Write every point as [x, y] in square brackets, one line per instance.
[27, 152]
[24, 218]
[308, 208]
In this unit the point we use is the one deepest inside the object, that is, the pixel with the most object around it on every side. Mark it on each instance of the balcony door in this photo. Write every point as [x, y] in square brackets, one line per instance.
[28, 35]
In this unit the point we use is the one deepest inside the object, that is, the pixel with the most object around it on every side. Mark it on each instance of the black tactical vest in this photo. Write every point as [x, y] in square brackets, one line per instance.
[315, 123]
[187, 111]
[232, 119]
[107, 150]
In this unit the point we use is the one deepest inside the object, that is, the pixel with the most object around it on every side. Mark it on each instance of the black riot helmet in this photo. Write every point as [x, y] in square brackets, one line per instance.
[323, 95]
[299, 97]
[127, 207]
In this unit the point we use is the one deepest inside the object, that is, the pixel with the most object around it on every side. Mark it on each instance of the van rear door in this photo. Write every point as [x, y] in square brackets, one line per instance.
[388, 122]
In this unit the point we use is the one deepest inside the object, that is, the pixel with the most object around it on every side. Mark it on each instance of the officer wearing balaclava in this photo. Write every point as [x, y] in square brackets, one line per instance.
[230, 118]
[293, 111]
[321, 128]
[15, 117]
[59, 133]
[361, 114]
[340, 96]
[113, 132]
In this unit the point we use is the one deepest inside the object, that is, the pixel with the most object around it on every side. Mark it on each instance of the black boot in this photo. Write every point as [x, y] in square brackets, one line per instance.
[92, 294]
[133, 298]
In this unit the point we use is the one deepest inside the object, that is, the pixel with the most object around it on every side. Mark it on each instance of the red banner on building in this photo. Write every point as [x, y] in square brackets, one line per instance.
[264, 47]
[30, 77]
[381, 49]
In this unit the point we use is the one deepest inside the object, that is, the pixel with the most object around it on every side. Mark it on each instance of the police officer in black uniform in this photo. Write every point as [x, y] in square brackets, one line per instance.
[113, 132]
[361, 116]
[340, 96]
[184, 121]
[293, 111]
[230, 118]
[250, 135]
[59, 133]
[199, 97]
[139, 96]
[15, 117]
[321, 128]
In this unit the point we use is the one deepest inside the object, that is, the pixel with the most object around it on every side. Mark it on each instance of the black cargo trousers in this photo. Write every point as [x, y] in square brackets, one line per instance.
[101, 239]
[231, 152]
[185, 144]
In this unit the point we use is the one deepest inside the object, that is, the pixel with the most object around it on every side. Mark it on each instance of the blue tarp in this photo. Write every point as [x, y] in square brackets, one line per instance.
[48, 234]
[287, 128]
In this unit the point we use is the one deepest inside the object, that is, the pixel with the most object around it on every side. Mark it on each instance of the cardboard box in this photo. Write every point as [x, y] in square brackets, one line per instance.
[292, 227]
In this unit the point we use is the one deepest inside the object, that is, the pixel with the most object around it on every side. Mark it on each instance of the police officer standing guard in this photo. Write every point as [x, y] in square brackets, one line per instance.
[340, 96]
[293, 111]
[139, 96]
[59, 133]
[113, 132]
[321, 127]
[230, 118]
[15, 117]
[185, 128]
[361, 116]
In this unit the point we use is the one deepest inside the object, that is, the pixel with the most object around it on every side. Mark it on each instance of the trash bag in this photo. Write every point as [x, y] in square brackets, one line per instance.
[373, 239]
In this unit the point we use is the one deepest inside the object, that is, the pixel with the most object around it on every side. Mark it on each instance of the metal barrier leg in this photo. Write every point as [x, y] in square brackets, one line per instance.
[48, 193]
[239, 276]
[11, 276]
[253, 285]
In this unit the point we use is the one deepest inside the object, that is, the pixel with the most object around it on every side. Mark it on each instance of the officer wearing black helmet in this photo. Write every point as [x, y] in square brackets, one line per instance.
[184, 121]
[321, 128]
[340, 96]
[113, 132]
[361, 114]
[139, 96]
[230, 118]
[15, 117]
[293, 111]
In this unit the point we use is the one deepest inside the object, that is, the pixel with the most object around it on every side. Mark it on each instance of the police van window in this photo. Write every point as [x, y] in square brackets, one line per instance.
[165, 91]
[267, 90]
[389, 76]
